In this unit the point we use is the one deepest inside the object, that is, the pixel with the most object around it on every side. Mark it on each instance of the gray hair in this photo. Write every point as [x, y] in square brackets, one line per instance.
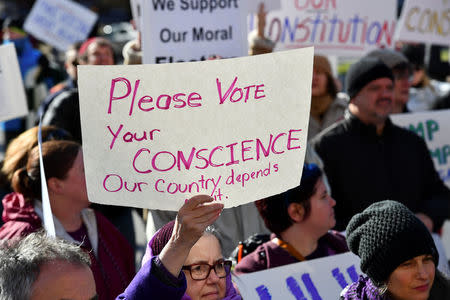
[21, 260]
[211, 230]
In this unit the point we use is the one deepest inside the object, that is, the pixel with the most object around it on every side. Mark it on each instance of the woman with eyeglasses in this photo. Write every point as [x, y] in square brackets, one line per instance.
[184, 259]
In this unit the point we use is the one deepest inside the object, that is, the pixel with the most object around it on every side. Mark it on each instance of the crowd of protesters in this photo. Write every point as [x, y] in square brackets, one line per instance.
[368, 186]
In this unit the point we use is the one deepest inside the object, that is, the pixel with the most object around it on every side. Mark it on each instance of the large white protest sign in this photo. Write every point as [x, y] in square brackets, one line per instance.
[175, 31]
[235, 129]
[322, 278]
[424, 22]
[60, 23]
[13, 102]
[434, 128]
[333, 27]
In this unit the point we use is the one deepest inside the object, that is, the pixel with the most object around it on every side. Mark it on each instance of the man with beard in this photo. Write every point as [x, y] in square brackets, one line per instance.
[401, 69]
[368, 159]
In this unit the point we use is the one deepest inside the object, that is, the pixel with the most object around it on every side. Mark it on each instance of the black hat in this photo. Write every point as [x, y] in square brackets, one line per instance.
[415, 54]
[385, 235]
[364, 71]
[393, 59]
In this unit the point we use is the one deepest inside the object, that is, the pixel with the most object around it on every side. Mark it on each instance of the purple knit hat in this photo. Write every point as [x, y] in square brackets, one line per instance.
[161, 238]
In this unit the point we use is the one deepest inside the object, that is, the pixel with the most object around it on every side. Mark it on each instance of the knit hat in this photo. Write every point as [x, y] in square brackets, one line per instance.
[364, 71]
[161, 238]
[392, 59]
[385, 235]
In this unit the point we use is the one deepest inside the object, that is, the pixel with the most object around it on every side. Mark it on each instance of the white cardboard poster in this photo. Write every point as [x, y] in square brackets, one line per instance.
[333, 27]
[180, 31]
[322, 278]
[434, 128]
[424, 22]
[60, 23]
[235, 129]
[13, 101]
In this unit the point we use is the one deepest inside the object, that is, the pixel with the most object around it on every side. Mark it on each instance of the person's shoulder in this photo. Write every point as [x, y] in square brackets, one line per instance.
[331, 134]
[406, 135]
[336, 241]
[255, 261]
[341, 100]
[17, 229]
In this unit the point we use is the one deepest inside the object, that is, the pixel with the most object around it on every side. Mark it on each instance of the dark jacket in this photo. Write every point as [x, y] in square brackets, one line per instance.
[64, 112]
[270, 255]
[67, 85]
[113, 266]
[363, 167]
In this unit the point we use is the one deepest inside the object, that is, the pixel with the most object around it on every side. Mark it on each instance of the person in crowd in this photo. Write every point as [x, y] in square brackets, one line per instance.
[184, 261]
[17, 154]
[401, 70]
[132, 50]
[397, 254]
[368, 159]
[443, 102]
[300, 220]
[40, 267]
[111, 255]
[38, 74]
[327, 106]
[70, 65]
[64, 111]
[424, 91]
[257, 41]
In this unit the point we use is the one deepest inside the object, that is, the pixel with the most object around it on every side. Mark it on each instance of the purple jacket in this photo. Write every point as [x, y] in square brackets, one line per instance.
[154, 281]
[363, 289]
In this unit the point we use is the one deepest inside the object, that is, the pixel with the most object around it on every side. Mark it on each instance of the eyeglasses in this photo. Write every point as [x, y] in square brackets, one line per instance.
[201, 271]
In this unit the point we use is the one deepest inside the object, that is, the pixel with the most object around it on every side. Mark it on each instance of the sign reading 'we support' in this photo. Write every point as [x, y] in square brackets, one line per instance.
[235, 129]
[333, 27]
[434, 128]
[60, 23]
[322, 278]
[425, 22]
[13, 102]
[179, 31]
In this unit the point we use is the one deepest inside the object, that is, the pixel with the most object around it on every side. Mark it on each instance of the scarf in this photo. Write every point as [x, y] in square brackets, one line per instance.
[319, 106]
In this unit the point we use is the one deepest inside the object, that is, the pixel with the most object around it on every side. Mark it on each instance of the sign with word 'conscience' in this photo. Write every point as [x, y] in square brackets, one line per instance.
[434, 128]
[235, 129]
[425, 22]
[333, 27]
[179, 31]
[322, 278]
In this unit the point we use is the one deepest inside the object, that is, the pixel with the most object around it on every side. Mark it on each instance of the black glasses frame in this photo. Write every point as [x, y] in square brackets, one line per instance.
[227, 265]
